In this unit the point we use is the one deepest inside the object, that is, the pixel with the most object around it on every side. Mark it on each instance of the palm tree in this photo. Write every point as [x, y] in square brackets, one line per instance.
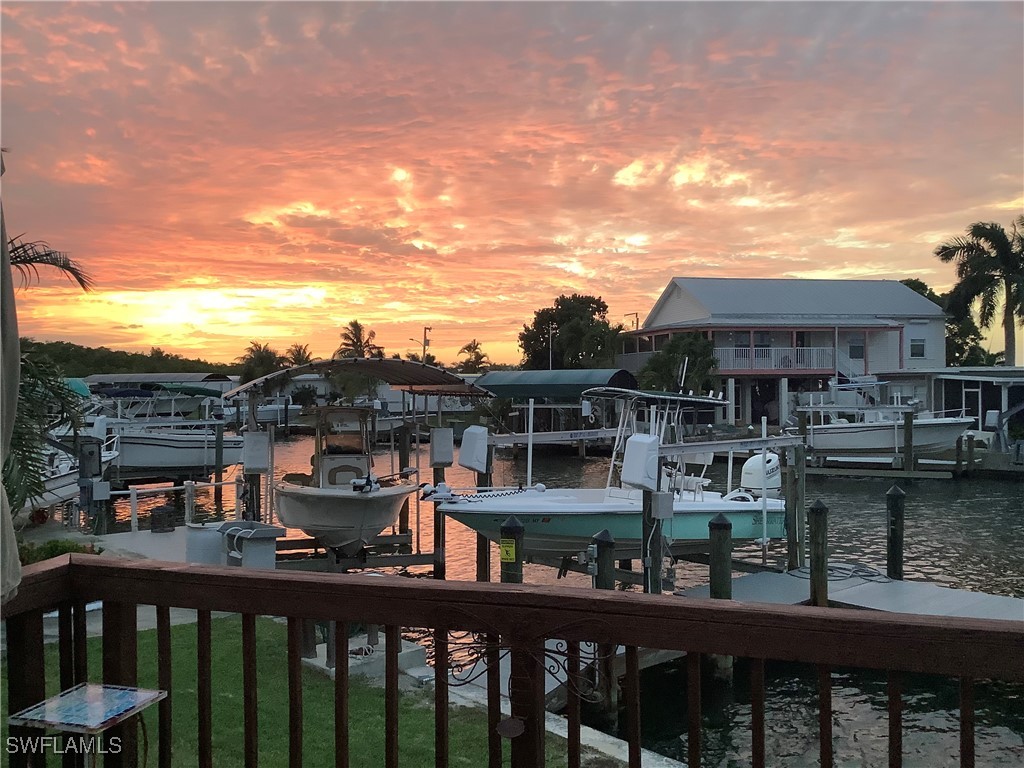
[259, 360]
[476, 360]
[357, 341]
[989, 267]
[298, 354]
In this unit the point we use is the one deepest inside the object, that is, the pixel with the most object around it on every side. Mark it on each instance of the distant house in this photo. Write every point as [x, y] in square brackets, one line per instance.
[776, 338]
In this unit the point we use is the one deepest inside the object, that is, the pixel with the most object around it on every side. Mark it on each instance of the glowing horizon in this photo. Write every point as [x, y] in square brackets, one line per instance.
[272, 171]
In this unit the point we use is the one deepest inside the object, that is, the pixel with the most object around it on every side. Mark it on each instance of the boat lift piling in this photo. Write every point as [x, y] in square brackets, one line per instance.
[895, 503]
[483, 544]
[720, 578]
[818, 525]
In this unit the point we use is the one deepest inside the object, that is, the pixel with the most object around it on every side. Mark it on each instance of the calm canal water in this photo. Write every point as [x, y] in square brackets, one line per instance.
[966, 534]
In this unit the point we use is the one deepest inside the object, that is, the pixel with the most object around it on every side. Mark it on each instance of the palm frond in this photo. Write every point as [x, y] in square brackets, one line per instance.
[28, 256]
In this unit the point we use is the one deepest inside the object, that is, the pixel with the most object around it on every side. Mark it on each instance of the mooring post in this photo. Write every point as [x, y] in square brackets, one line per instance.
[651, 550]
[818, 525]
[404, 450]
[801, 503]
[218, 466]
[792, 539]
[190, 500]
[307, 649]
[895, 503]
[908, 442]
[720, 577]
[90, 468]
[439, 532]
[239, 495]
[959, 469]
[969, 469]
[604, 577]
[511, 547]
[483, 544]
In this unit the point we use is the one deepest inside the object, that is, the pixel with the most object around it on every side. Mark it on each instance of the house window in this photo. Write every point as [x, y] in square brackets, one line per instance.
[917, 347]
[856, 346]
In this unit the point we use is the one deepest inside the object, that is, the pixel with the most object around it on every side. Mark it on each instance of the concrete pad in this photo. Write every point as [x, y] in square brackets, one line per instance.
[371, 664]
[792, 588]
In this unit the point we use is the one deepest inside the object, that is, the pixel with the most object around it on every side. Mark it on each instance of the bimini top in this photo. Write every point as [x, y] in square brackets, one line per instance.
[566, 384]
[399, 374]
[654, 397]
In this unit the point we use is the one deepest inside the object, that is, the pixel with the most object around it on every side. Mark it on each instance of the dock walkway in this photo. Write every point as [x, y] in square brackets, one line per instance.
[857, 586]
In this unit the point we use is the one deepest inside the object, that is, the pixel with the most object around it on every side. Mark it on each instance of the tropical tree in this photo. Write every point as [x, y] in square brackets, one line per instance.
[298, 354]
[693, 352]
[989, 268]
[574, 333]
[358, 341]
[259, 360]
[476, 360]
[44, 400]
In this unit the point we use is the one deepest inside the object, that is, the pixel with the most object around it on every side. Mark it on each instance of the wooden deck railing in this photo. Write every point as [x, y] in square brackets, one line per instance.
[516, 619]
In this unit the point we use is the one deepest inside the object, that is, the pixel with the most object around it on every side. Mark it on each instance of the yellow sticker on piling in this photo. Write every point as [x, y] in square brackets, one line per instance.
[507, 547]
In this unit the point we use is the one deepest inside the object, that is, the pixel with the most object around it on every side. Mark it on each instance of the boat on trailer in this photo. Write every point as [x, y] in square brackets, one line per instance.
[562, 521]
[343, 502]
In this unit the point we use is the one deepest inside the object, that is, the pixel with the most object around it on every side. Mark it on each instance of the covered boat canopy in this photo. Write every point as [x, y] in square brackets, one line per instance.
[655, 397]
[399, 374]
[564, 385]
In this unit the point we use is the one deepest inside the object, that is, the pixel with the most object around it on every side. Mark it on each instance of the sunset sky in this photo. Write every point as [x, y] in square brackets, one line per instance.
[239, 171]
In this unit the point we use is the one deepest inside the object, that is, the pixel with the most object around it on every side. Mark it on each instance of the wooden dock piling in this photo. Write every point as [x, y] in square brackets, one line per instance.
[604, 578]
[483, 545]
[720, 576]
[895, 502]
[818, 530]
[511, 546]
[439, 532]
[908, 442]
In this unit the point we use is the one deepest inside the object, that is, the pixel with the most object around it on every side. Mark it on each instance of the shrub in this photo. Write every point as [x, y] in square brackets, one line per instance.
[34, 553]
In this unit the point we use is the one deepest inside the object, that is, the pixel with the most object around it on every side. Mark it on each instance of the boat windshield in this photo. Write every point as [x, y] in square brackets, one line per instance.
[351, 442]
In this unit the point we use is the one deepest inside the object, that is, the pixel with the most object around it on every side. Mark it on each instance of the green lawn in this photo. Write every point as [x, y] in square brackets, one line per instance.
[468, 726]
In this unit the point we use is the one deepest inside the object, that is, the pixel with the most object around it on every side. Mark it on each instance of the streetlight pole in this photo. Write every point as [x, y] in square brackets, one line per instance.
[425, 343]
[551, 328]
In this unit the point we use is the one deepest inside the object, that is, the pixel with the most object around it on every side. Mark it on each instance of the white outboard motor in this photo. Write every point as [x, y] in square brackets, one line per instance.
[758, 474]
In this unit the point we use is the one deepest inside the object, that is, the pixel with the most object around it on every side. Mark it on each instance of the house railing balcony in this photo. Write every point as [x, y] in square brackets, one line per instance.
[501, 621]
[813, 359]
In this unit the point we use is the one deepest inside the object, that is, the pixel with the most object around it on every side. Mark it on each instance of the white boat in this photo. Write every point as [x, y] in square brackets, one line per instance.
[276, 410]
[60, 483]
[343, 503]
[562, 521]
[853, 423]
[166, 448]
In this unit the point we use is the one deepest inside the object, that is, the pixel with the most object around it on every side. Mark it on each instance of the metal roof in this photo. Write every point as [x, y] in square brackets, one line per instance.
[775, 320]
[155, 378]
[560, 384]
[399, 374]
[726, 296]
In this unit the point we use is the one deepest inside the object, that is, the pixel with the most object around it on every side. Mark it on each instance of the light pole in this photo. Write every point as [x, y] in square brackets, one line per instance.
[636, 319]
[426, 343]
[551, 328]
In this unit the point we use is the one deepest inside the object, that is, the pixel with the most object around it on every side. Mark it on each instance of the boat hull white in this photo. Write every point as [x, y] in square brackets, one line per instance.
[563, 521]
[340, 518]
[886, 437]
[168, 450]
[61, 485]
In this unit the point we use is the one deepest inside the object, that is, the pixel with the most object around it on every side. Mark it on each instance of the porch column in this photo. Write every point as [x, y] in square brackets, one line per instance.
[747, 410]
[730, 395]
[783, 400]
[901, 347]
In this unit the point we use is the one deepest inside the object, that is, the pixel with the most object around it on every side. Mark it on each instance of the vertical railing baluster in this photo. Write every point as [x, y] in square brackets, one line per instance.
[757, 713]
[341, 680]
[632, 697]
[204, 689]
[694, 706]
[120, 667]
[81, 649]
[441, 695]
[294, 692]
[250, 700]
[825, 715]
[573, 683]
[393, 641]
[493, 660]
[66, 650]
[526, 677]
[966, 722]
[163, 675]
[895, 689]
[26, 684]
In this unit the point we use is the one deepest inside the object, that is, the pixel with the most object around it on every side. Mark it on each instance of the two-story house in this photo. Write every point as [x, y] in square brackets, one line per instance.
[776, 339]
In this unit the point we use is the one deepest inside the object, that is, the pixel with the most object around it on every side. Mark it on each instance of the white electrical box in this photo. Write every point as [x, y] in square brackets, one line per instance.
[100, 490]
[661, 506]
[256, 452]
[442, 447]
[473, 451]
[640, 462]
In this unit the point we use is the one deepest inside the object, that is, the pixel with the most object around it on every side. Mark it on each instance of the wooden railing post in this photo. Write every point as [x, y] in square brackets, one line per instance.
[120, 667]
[526, 695]
[818, 524]
[25, 683]
[895, 501]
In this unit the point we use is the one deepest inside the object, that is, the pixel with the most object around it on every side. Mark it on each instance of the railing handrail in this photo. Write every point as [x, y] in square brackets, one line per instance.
[945, 645]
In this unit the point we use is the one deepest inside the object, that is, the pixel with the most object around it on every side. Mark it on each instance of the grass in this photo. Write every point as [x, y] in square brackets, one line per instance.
[468, 725]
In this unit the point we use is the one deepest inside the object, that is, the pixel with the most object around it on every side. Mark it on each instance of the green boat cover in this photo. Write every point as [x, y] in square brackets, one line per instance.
[563, 385]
